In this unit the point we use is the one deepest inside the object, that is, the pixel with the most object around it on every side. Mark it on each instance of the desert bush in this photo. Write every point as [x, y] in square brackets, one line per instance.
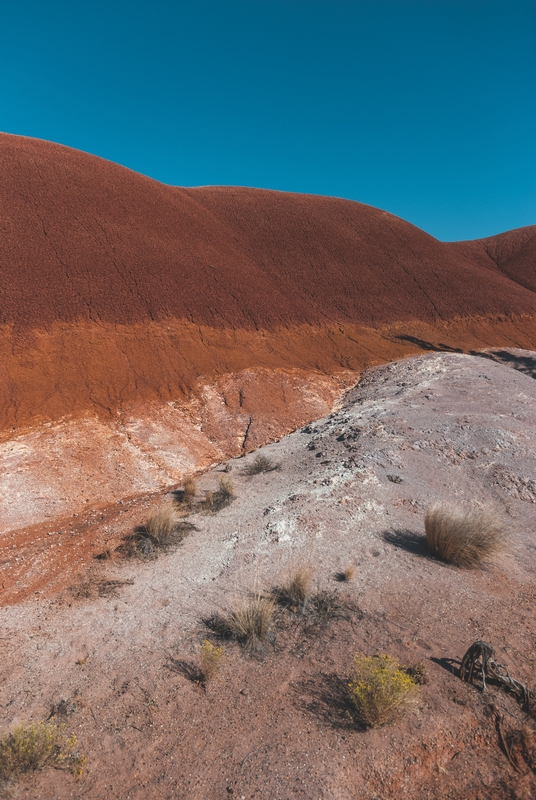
[380, 689]
[261, 464]
[295, 588]
[221, 498]
[36, 746]
[463, 538]
[161, 530]
[211, 660]
[92, 587]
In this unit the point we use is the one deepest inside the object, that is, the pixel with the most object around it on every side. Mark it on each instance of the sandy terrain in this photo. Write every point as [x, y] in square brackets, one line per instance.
[352, 489]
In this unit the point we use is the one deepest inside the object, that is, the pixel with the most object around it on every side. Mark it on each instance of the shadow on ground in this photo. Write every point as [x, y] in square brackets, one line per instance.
[525, 364]
[326, 697]
[185, 668]
[409, 541]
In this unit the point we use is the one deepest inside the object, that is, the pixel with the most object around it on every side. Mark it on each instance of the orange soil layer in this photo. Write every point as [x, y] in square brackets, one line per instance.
[117, 289]
[49, 556]
[75, 368]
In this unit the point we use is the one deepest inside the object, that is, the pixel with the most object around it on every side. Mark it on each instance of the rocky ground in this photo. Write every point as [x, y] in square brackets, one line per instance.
[121, 645]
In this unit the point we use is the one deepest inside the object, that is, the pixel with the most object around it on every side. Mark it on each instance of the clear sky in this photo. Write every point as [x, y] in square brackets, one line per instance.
[426, 108]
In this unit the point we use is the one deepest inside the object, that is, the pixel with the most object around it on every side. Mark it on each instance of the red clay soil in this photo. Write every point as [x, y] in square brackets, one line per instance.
[117, 289]
[512, 253]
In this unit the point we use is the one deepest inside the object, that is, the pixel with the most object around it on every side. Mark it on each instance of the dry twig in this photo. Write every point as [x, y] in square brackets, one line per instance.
[479, 662]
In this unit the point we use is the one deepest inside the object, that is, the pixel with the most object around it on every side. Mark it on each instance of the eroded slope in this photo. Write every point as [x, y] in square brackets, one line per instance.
[352, 489]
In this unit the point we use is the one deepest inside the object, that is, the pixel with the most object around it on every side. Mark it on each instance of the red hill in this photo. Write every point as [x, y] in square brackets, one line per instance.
[117, 289]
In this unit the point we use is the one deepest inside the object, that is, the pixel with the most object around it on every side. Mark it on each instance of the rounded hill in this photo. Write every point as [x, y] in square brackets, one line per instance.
[117, 289]
[87, 239]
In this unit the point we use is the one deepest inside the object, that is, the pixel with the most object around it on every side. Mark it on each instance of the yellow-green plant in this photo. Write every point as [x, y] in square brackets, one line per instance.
[211, 660]
[35, 746]
[380, 689]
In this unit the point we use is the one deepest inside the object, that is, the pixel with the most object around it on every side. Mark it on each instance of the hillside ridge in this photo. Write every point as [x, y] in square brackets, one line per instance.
[118, 290]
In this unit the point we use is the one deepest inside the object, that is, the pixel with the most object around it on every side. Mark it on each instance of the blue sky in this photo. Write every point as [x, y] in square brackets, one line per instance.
[426, 108]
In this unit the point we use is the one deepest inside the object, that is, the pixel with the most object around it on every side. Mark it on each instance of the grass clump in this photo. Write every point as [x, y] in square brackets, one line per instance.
[463, 538]
[324, 606]
[261, 464]
[380, 689]
[221, 498]
[161, 530]
[250, 621]
[211, 660]
[346, 574]
[294, 592]
[35, 746]
[185, 497]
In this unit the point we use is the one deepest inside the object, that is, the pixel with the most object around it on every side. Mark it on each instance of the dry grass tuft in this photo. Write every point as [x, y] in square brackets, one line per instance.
[261, 464]
[347, 574]
[380, 689]
[211, 660]
[464, 538]
[323, 607]
[36, 746]
[294, 591]
[250, 621]
[221, 498]
[185, 497]
[162, 530]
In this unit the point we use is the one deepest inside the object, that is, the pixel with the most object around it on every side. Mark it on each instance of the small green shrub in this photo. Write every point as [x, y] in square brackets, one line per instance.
[463, 538]
[380, 689]
[36, 746]
[261, 464]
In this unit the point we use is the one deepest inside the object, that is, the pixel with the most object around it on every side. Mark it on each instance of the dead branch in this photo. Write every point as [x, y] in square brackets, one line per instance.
[479, 663]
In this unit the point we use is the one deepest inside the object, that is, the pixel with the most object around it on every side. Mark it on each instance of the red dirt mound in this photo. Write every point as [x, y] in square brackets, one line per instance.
[117, 289]
[513, 253]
